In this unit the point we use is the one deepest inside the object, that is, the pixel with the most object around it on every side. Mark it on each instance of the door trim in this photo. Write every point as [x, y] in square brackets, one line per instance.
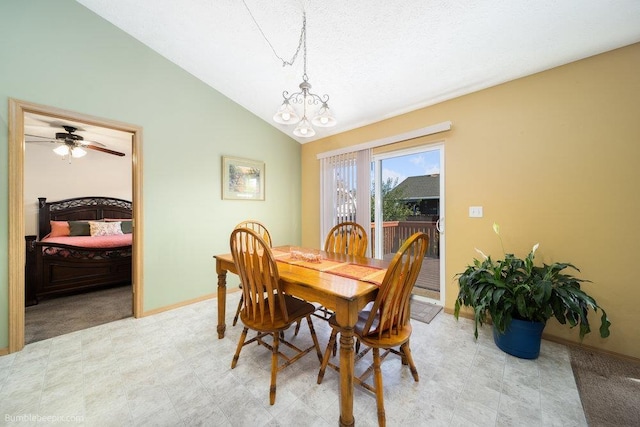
[17, 109]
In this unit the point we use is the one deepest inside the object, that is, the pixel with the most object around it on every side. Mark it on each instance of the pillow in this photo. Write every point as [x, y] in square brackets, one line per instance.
[79, 228]
[127, 225]
[105, 228]
[59, 228]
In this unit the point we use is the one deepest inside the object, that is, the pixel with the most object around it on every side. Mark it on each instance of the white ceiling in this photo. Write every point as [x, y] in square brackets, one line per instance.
[375, 58]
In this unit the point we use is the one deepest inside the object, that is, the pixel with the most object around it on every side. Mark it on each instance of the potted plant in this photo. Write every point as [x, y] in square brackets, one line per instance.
[519, 297]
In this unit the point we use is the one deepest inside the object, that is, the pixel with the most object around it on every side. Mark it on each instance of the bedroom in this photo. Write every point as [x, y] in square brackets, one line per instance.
[105, 170]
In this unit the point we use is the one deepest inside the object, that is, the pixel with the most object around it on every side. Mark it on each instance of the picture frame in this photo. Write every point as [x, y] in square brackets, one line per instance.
[242, 179]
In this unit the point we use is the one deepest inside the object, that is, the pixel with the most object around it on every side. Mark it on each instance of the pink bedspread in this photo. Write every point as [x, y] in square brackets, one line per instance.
[92, 241]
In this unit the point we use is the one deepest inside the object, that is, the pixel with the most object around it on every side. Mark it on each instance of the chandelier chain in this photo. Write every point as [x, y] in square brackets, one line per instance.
[301, 41]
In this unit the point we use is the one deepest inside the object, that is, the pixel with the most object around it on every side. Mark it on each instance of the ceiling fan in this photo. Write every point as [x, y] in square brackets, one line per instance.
[74, 144]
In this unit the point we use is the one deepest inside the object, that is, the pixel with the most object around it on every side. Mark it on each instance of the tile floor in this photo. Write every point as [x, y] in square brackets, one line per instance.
[170, 369]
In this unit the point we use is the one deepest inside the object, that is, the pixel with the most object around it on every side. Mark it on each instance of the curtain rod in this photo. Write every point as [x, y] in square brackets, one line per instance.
[407, 136]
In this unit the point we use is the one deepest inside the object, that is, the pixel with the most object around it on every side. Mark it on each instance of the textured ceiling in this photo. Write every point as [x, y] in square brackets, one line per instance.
[376, 59]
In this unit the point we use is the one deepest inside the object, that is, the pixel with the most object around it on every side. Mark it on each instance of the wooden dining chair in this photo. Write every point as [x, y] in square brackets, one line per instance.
[266, 309]
[262, 231]
[386, 324]
[259, 228]
[347, 238]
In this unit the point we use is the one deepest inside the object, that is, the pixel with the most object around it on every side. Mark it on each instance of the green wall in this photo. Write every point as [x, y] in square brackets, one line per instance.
[94, 68]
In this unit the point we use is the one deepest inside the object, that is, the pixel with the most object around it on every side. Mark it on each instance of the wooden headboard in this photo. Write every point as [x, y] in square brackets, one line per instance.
[79, 209]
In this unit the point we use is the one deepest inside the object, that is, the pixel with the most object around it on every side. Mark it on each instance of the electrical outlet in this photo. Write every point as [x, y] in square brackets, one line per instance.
[475, 211]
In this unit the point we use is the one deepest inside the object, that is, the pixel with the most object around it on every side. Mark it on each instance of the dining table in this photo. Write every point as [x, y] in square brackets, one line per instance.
[341, 283]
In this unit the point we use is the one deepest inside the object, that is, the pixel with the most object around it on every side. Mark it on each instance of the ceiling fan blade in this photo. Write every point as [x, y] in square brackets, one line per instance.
[80, 142]
[104, 150]
[85, 142]
[45, 138]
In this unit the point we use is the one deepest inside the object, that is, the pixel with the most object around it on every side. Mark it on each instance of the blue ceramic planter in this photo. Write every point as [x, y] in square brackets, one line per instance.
[521, 339]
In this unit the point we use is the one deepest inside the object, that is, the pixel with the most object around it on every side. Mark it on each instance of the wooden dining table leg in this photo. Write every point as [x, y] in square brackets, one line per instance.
[346, 317]
[222, 299]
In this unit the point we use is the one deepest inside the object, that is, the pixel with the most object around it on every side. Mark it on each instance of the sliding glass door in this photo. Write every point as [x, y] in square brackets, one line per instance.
[408, 197]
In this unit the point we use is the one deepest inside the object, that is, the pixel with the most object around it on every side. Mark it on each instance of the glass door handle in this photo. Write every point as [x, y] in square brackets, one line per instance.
[439, 225]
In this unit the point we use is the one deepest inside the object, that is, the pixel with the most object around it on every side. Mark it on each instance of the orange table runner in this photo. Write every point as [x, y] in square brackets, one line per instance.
[346, 269]
[360, 272]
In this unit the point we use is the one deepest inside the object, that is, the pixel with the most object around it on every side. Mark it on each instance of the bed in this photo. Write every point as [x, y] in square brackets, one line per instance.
[83, 244]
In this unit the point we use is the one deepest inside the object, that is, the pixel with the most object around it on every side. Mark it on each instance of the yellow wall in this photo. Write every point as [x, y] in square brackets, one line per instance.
[553, 158]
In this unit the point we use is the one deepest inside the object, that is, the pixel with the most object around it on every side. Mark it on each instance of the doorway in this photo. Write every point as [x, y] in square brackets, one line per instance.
[408, 197]
[17, 111]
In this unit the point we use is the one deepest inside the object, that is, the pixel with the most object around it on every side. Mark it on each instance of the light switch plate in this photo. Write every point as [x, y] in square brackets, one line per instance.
[475, 211]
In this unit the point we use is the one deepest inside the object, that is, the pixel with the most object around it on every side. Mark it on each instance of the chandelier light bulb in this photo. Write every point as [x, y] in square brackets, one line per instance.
[324, 118]
[304, 129]
[286, 115]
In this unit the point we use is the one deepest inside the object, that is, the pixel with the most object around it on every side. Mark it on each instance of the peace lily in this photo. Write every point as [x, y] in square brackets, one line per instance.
[512, 287]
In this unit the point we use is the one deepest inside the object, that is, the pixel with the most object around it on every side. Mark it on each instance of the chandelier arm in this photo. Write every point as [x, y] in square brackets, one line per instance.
[316, 99]
[294, 97]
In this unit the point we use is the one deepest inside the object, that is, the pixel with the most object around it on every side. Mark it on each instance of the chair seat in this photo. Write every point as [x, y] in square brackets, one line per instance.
[296, 308]
[395, 340]
[372, 339]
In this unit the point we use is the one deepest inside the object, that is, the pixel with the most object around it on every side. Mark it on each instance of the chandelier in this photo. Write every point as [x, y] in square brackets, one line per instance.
[287, 115]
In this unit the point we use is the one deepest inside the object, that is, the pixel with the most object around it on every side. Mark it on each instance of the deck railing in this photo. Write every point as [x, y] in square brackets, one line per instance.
[396, 232]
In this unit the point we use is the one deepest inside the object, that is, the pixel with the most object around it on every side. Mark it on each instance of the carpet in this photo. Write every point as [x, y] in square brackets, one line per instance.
[609, 388]
[58, 316]
[424, 311]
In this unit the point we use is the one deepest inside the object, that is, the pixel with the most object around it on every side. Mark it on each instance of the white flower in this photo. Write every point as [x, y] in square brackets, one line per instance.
[496, 228]
[481, 253]
[535, 248]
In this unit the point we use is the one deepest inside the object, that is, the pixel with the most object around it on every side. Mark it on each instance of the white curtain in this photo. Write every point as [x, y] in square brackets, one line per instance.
[345, 190]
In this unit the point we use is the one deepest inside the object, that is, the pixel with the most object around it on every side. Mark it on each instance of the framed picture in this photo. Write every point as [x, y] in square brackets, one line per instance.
[242, 179]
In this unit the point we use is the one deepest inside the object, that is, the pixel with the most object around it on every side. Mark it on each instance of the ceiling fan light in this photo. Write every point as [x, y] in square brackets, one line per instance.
[77, 152]
[286, 115]
[304, 129]
[324, 118]
[61, 150]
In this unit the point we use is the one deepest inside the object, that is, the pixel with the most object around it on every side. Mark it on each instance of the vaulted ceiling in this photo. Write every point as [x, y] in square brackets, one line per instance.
[375, 58]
